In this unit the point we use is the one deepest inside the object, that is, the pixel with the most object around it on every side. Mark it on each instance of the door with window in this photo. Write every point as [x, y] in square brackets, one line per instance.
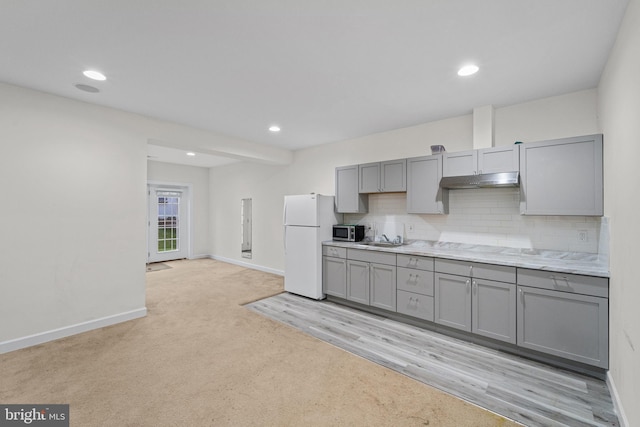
[168, 220]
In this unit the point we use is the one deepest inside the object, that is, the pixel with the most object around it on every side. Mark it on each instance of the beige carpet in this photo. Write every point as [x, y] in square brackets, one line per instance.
[201, 359]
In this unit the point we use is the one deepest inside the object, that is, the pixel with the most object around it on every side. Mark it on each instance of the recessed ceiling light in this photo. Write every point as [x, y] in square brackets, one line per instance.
[191, 153]
[274, 128]
[468, 70]
[95, 75]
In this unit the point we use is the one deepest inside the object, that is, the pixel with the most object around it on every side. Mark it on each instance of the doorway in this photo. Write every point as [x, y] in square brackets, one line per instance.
[168, 224]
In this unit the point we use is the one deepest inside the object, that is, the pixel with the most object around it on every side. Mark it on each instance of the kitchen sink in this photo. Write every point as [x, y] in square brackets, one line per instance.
[384, 244]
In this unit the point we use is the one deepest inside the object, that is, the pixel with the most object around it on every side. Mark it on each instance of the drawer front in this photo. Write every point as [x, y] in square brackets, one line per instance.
[334, 251]
[415, 305]
[575, 283]
[376, 257]
[418, 262]
[500, 273]
[417, 281]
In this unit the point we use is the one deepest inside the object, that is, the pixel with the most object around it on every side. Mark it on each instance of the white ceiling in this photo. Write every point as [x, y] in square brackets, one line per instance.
[323, 70]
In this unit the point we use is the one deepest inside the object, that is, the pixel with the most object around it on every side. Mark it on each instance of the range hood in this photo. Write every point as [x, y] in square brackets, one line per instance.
[485, 180]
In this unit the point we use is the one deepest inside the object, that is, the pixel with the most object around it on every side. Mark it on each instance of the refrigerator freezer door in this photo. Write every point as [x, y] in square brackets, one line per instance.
[303, 262]
[301, 210]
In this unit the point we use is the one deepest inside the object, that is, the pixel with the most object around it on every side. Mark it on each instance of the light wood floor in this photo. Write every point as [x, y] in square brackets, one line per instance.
[525, 391]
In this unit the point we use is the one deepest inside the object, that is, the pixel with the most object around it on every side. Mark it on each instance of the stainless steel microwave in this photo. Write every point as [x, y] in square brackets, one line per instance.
[348, 233]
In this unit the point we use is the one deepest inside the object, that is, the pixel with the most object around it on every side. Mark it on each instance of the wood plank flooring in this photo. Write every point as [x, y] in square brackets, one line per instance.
[525, 391]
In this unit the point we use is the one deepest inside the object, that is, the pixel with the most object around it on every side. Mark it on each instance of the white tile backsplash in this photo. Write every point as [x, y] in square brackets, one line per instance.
[488, 216]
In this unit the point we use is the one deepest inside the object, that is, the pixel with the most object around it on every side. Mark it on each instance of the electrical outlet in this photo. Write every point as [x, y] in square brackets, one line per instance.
[583, 236]
[410, 227]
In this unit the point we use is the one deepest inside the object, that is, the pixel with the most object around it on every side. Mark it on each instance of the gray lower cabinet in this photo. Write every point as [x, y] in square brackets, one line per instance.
[334, 276]
[415, 286]
[334, 271]
[348, 198]
[493, 309]
[565, 315]
[562, 177]
[559, 314]
[371, 284]
[383, 286]
[424, 195]
[415, 305]
[453, 301]
[358, 281]
[482, 301]
[371, 278]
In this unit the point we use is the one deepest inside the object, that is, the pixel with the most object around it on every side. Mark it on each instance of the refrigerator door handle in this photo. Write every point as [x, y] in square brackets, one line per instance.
[284, 222]
[284, 213]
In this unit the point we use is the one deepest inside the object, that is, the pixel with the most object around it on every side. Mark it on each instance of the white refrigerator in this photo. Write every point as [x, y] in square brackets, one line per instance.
[308, 221]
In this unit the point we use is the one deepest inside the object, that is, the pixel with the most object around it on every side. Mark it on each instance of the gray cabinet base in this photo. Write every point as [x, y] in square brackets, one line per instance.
[475, 339]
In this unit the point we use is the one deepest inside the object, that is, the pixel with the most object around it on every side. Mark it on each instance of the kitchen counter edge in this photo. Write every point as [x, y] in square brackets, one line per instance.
[563, 262]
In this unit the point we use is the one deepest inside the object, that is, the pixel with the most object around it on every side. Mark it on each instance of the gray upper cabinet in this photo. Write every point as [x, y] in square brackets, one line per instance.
[485, 160]
[562, 177]
[369, 178]
[460, 163]
[348, 198]
[383, 177]
[499, 159]
[424, 195]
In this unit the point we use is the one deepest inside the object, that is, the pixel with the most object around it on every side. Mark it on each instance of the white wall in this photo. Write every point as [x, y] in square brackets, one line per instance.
[548, 118]
[312, 170]
[73, 215]
[75, 204]
[266, 185]
[619, 106]
[198, 180]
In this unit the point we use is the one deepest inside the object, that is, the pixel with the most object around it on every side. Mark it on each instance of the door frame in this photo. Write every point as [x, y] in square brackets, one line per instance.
[187, 192]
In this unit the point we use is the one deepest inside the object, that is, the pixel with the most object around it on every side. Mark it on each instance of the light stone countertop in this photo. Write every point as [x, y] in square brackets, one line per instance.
[562, 262]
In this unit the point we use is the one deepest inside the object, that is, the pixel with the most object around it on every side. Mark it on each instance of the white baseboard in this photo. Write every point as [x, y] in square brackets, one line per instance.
[31, 340]
[617, 404]
[247, 264]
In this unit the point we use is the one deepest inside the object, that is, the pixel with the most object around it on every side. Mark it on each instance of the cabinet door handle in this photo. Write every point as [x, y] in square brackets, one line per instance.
[521, 296]
[471, 270]
[475, 287]
[468, 283]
